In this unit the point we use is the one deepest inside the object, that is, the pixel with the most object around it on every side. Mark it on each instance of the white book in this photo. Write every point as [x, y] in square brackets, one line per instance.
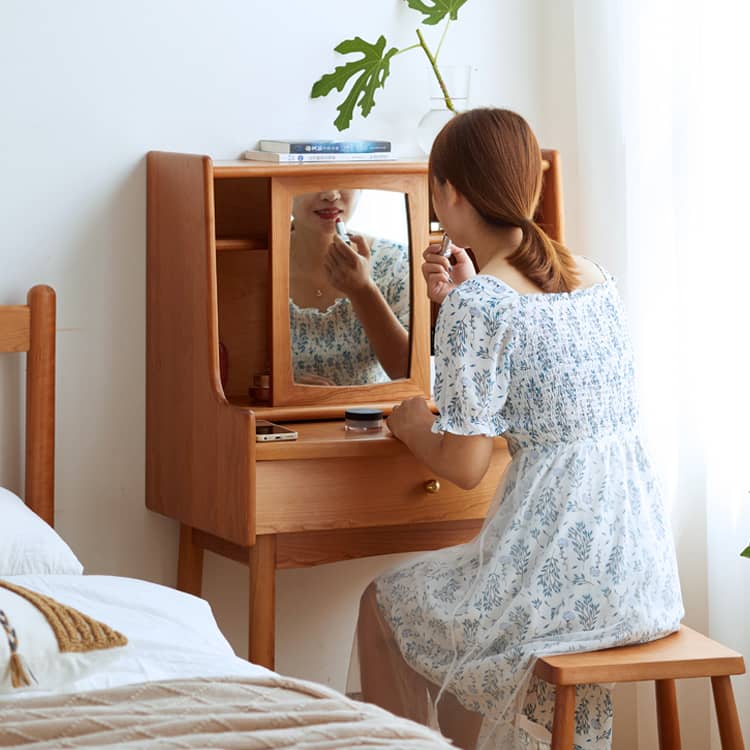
[300, 158]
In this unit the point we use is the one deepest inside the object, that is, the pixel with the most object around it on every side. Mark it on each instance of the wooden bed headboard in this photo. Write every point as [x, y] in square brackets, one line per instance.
[30, 328]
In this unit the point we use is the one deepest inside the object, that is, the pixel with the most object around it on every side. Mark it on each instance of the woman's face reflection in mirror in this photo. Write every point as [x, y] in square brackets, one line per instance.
[349, 297]
[314, 217]
[315, 214]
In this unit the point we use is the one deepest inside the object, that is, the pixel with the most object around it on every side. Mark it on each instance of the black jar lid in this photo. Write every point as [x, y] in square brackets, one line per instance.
[363, 414]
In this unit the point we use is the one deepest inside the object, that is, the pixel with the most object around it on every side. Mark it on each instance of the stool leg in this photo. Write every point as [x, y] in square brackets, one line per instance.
[726, 714]
[668, 718]
[563, 723]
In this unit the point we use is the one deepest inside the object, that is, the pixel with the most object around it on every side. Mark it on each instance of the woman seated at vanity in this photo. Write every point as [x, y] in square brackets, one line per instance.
[349, 300]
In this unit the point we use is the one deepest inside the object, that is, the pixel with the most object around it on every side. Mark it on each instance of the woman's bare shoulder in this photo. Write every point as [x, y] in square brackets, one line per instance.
[589, 273]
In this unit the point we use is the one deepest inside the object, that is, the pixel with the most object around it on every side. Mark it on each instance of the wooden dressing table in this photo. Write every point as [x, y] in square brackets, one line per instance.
[218, 270]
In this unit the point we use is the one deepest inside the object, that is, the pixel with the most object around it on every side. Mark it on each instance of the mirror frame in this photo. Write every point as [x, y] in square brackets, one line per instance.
[292, 400]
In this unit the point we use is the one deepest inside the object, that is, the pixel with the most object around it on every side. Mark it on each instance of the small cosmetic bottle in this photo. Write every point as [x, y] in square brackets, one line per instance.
[260, 390]
[363, 419]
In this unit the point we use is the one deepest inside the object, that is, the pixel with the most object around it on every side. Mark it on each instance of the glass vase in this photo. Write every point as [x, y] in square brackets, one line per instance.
[457, 79]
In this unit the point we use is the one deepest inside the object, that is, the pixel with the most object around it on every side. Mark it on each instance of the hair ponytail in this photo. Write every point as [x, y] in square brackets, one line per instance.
[546, 263]
[491, 156]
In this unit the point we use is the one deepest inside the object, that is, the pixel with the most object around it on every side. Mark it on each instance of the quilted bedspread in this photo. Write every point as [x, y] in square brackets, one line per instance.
[271, 712]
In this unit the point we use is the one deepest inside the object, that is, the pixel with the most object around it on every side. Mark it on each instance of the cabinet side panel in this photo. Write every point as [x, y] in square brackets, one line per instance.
[419, 363]
[199, 453]
[550, 210]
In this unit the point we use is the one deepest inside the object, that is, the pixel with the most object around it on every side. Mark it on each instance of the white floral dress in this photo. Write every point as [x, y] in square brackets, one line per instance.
[332, 343]
[576, 552]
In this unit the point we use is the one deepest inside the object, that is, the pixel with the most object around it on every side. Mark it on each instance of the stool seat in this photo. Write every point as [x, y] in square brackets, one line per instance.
[681, 655]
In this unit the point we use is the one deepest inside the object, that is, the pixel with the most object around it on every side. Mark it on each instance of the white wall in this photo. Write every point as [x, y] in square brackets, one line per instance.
[88, 87]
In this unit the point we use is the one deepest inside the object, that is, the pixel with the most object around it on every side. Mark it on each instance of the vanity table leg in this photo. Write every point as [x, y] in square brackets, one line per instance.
[189, 563]
[262, 600]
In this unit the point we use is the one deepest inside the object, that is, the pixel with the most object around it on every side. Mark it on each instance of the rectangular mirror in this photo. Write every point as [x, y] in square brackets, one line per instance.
[349, 290]
[350, 315]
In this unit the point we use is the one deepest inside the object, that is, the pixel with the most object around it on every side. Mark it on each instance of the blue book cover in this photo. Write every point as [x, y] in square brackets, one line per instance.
[324, 147]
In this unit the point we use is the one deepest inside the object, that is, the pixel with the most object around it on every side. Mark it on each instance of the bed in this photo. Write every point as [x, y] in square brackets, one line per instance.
[88, 660]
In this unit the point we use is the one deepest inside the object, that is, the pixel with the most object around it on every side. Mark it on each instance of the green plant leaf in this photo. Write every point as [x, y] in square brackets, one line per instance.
[746, 552]
[436, 12]
[371, 70]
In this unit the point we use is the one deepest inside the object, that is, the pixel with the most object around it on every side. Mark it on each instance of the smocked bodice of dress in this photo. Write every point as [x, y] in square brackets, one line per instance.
[547, 369]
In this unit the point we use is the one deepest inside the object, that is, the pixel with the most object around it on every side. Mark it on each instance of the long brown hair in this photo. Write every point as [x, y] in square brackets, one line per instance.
[492, 157]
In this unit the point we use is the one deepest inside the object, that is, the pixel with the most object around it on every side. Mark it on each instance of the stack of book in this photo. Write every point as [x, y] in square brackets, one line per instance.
[295, 151]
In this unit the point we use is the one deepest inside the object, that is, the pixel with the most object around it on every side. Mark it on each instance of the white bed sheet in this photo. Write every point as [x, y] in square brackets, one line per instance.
[170, 634]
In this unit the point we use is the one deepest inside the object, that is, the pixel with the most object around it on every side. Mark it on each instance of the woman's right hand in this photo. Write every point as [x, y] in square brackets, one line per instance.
[440, 275]
[347, 265]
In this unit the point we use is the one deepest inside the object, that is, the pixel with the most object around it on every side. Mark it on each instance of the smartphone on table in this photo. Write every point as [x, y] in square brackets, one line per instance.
[266, 431]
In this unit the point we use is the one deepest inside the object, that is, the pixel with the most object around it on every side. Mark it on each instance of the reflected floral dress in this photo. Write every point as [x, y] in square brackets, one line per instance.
[332, 343]
[576, 552]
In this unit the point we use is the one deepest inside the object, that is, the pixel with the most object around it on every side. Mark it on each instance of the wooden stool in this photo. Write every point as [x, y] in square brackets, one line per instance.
[680, 655]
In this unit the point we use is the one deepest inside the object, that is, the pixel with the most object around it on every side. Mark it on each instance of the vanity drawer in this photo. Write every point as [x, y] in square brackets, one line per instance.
[358, 492]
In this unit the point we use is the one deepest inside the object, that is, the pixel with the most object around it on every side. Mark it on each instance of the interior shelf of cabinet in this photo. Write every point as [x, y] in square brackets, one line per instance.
[241, 243]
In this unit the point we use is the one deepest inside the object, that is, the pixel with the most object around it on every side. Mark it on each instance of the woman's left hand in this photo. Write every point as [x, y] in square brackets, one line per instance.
[348, 267]
[409, 415]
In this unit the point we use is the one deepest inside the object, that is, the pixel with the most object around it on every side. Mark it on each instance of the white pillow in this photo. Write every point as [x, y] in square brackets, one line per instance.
[25, 631]
[171, 635]
[28, 544]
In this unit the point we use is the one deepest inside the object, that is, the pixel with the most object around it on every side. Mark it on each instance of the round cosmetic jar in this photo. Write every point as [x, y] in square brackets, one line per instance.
[363, 419]
[260, 390]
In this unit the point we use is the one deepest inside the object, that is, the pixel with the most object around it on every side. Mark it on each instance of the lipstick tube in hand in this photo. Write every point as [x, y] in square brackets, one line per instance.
[341, 231]
[445, 249]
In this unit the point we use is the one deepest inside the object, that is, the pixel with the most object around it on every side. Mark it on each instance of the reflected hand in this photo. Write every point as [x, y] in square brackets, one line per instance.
[409, 415]
[348, 268]
[440, 275]
[311, 379]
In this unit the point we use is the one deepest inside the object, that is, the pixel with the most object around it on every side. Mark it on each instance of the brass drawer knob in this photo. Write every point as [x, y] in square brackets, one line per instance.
[432, 486]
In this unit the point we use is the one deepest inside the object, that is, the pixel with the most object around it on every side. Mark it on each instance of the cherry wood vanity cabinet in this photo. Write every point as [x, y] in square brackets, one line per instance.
[218, 270]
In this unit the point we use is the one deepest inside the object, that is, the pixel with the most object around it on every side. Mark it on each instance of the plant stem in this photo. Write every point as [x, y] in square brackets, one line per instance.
[433, 62]
[406, 49]
[442, 38]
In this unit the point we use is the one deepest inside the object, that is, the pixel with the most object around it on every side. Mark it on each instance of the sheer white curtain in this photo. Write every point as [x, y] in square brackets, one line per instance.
[664, 136]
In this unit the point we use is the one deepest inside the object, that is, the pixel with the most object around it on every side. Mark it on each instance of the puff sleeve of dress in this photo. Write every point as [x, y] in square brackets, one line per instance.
[473, 348]
[390, 271]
